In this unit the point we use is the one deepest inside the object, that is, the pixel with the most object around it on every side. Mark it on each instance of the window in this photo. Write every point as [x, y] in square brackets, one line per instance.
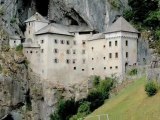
[14, 41]
[116, 43]
[104, 68]
[74, 61]
[92, 48]
[92, 58]
[68, 51]
[74, 42]
[104, 46]
[126, 42]
[31, 52]
[42, 41]
[67, 61]
[84, 61]
[27, 51]
[126, 54]
[83, 43]
[83, 51]
[116, 67]
[74, 51]
[56, 60]
[82, 69]
[62, 41]
[74, 68]
[110, 44]
[55, 50]
[67, 42]
[116, 55]
[42, 50]
[110, 67]
[104, 58]
[29, 31]
[55, 41]
[110, 55]
[92, 68]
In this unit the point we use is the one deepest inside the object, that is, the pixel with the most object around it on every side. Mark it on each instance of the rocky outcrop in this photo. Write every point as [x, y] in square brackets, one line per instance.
[98, 14]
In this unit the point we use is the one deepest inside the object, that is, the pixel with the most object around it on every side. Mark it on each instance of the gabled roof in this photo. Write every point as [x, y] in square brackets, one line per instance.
[75, 29]
[54, 29]
[36, 17]
[121, 25]
[97, 36]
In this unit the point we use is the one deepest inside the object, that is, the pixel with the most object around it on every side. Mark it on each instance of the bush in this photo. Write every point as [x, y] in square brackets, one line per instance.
[132, 72]
[151, 88]
[65, 109]
[19, 47]
[96, 81]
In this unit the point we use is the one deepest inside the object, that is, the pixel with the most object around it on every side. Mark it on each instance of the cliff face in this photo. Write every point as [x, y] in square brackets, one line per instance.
[98, 14]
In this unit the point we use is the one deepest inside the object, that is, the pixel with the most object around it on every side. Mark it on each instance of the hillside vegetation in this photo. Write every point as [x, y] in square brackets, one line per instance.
[132, 103]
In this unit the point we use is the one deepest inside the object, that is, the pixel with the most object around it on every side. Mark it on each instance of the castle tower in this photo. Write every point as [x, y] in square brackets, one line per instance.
[122, 40]
[34, 24]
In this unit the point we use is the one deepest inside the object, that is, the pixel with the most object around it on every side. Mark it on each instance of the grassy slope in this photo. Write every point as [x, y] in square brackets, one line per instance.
[131, 103]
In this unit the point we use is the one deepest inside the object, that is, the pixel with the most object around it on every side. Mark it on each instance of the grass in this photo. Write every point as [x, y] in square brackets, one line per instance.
[131, 103]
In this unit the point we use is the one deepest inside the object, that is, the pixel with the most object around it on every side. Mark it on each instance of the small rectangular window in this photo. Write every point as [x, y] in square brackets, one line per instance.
[62, 41]
[55, 41]
[92, 68]
[67, 42]
[14, 41]
[42, 50]
[56, 60]
[92, 48]
[110, 43]
[42, 41]
[104, 58]
[104, 46]
[84, 61]
[104, 68]
[126, 54]
[74, 51]
[116, 43]
[110, 55]
[126, 42]
[74, 61]
[83, 43]
[55, 50]
[68, 51]
[83, 51]
[74, 68]
[74, 42]
[116, 55]
[92, 58]
[110, 67]
[82, 69]
[116, 67]
[67, 61]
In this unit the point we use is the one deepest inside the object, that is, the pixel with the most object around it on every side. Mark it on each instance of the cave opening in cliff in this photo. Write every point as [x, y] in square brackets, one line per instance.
[42, 7]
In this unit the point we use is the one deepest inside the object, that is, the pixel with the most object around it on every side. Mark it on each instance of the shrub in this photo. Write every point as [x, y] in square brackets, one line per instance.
[65, 109]
[96, 99]
[96, 80]
[19, 47]
[132, 72]
[151, 88]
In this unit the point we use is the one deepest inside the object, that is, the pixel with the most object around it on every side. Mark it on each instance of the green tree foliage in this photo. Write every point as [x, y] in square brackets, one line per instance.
[151, 88]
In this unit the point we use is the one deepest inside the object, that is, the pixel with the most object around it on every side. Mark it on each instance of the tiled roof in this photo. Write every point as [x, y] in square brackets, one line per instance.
[121, 25]
[37, 17]
[54, 29]
[97, 36]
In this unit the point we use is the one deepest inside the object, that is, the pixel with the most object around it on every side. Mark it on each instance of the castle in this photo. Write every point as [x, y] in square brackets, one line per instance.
[71, 54]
